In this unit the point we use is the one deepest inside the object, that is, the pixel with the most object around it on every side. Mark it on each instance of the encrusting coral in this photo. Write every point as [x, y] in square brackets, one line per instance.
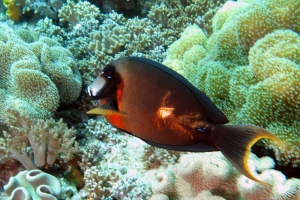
[250, 67]
[40, 73]
[211, 176]
[46, 140]
[33, 184]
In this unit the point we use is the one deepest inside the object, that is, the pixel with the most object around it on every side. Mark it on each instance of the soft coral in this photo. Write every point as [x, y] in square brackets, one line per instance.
[47, 139]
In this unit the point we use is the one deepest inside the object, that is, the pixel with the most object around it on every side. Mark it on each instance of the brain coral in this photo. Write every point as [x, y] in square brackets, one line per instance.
[251, 68]
[37, 75]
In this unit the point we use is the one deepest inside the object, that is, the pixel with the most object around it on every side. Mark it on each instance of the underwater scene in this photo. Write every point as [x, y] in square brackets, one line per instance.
[150, 100]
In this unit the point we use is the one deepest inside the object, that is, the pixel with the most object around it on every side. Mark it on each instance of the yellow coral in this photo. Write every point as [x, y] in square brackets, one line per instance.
[277, 52]
[286, 133]
[183, 55]
[192, 35]
[13, 11]
[252, 66]
[273, 100]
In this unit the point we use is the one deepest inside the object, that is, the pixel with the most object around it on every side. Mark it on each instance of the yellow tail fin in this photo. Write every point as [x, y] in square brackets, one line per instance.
[235, 141]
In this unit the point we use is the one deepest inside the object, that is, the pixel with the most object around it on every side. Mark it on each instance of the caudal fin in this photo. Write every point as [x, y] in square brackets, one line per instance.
[235, 141]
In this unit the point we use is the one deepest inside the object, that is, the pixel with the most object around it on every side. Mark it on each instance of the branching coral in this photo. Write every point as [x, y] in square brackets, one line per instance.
[75, 13]
[155, 157]
[131, 187]
[112, 163]
[110, 38]
[44, 140]
[115, 182]
[42, 7]
[175, 15]
[159, 15]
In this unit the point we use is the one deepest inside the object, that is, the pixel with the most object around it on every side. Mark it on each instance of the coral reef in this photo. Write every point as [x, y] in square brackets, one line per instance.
[40, 8]
[202, 175]
[9, 169]
[75, 13]
[112, 171]
[243, 55]
[115, 5]
[44, 141]
[36, 75]
[183, 55]
[110, 38]
[96, 39]
[113, 181]
[202, 13]
[33, 184]
[249, 67]
[154, 157]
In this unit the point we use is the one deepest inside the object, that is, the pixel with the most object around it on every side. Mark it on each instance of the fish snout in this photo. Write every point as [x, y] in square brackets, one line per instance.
[88, 91]
[100, 88]
[95, 88]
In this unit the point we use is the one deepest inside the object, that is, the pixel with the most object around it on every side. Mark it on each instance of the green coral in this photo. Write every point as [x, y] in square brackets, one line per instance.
[251, 70]
[35, 75]
[187, 50]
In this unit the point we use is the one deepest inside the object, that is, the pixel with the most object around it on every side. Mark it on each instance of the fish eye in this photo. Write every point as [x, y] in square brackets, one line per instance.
[108, 73]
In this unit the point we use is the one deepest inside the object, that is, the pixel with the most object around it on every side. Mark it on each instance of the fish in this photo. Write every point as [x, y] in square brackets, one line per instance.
[148, 100]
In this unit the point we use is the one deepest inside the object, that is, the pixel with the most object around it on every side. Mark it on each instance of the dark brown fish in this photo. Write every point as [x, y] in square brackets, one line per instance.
[150, 101]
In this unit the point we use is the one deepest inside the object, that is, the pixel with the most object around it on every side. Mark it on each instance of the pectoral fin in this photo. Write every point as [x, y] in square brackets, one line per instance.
[106, 109]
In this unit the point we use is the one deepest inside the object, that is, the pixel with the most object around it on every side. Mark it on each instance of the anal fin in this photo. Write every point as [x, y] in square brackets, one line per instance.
[199, 147]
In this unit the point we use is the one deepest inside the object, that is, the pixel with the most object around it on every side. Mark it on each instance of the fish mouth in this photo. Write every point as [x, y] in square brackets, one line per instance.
[96, 88]
[101, 88]
[91, 93]
[95, 94]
